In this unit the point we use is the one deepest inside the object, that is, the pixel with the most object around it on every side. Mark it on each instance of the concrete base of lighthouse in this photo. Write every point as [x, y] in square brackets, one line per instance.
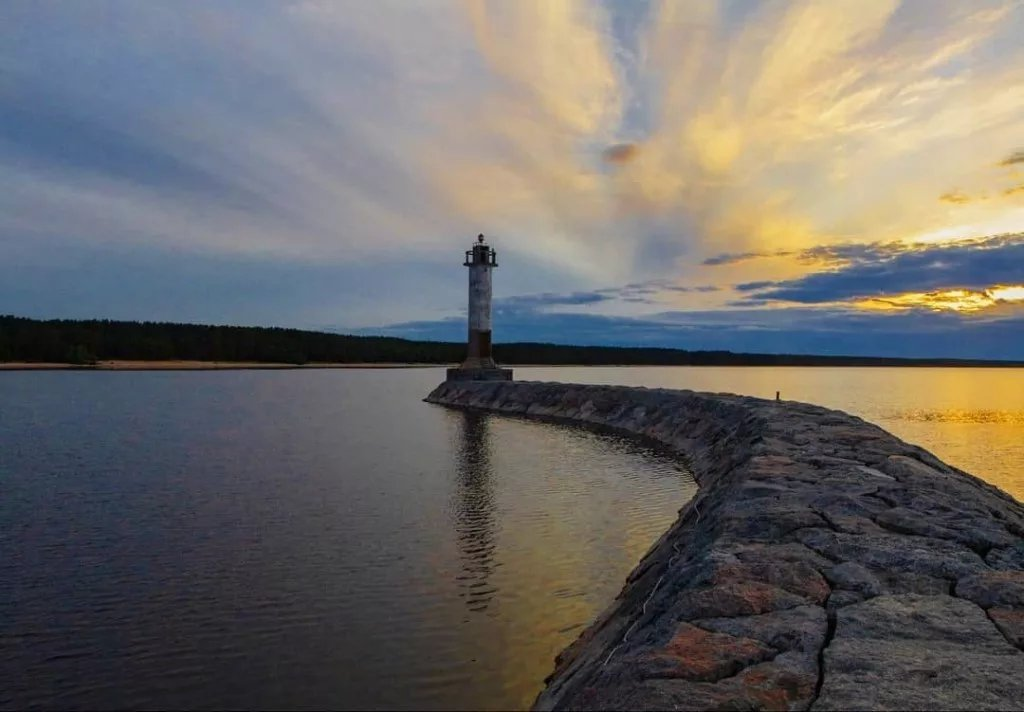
[479, 374]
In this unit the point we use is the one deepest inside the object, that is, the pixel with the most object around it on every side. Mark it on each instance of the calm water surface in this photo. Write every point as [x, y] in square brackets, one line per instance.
[301, 539]
[310, 539]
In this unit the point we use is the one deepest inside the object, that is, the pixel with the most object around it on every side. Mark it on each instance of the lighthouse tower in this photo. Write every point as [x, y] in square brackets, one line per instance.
[479, 365]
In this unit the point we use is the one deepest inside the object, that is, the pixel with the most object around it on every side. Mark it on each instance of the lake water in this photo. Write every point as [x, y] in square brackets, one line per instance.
[301, 539]
[311, 539]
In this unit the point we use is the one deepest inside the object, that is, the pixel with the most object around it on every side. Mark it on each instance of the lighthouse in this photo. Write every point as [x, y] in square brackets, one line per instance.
[479, 365]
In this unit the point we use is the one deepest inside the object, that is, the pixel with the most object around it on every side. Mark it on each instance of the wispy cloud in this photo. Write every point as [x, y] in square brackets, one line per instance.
[956, 197]
[540, 302]
[673, 148]
[1013, 159]
[734, 258]
[316, 130]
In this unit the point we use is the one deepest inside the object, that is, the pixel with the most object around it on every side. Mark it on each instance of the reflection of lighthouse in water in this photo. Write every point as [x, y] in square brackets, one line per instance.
[473, 512]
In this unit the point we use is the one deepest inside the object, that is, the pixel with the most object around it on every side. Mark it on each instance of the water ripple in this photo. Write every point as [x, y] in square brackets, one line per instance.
[266, 540]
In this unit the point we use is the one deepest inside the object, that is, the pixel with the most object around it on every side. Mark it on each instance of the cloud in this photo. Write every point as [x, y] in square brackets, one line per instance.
[620, 153]
[602, 143]
[704, 289]
[649, 292]
[326, 133]
[955, 197]
[734, 258]
[1013, 159]
[755, 286]
[540, 302]
[880, 270]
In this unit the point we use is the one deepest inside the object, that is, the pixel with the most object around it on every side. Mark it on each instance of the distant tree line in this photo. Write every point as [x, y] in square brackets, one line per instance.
[86, 342]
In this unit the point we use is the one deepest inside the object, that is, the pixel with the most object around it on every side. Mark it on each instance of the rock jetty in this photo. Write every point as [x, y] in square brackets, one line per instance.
[824, 564]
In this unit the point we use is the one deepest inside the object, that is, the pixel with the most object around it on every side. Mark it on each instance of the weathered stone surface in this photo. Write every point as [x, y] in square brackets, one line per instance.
[900, 466]
[979, 533]
[734, 599]
[904, 582]
[796, 577]
[1010, 623]
[993, 588]
[851, 576]
[697, 654]
[814, 536]
[786, 682]
[1008, 558]
[874, 675]
[919, 652]
[943, 620]
[912, 554]
[796, 629]
[841, 598]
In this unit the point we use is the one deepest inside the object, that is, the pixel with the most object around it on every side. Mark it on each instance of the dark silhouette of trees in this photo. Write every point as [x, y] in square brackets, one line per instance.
[86, 342]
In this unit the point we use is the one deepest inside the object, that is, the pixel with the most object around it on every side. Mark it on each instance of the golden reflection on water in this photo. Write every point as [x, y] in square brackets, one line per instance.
[545, 540]
[973, 418]
[956, 415]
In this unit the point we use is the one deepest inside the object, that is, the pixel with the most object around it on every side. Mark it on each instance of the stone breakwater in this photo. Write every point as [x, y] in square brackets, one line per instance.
[823, 564]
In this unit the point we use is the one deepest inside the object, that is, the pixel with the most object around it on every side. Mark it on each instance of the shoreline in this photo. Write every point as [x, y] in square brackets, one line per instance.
[198, 366]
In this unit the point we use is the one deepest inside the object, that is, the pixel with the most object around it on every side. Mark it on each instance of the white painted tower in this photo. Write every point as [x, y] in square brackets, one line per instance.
[481, 260]
[479, 365]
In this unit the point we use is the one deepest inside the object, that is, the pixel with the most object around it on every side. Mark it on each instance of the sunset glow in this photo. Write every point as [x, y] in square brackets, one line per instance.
[957, 300]
[647, 170]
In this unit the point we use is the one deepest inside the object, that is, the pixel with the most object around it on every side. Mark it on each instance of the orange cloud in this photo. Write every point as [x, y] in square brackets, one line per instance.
[955, 300]
[621, 153]
[955, 196]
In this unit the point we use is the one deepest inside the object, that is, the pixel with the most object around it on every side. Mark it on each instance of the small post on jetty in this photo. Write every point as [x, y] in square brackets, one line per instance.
[479, 364]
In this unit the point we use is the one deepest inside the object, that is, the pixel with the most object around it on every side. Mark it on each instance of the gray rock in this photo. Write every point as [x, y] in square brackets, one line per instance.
[980, 534]
[797, 629]
[851, 576]
[901, 467]
[734, 599]
[897, 582]
[840, 599]
[993, 588]
[913, 554]
[919, 652]
[942, 620]
[878, 675]
[1010, 623]
[1007, 558]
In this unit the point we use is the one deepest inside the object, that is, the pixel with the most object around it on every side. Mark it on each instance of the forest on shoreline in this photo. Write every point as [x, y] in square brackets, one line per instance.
[85, 342]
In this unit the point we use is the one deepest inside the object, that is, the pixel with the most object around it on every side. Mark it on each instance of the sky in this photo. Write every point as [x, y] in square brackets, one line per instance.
[840, 177]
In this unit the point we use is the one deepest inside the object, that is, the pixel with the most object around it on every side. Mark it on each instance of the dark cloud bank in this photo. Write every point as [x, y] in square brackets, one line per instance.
[877, 270]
